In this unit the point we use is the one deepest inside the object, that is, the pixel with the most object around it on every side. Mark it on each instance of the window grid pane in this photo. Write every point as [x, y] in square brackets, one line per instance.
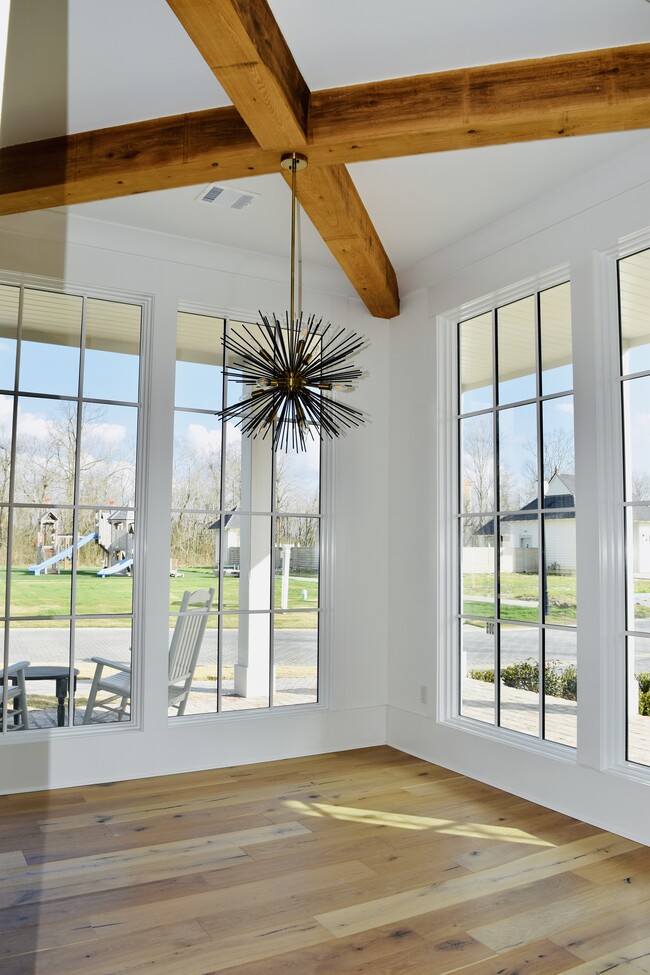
[246, 522]
[68, 517]
[517, 519]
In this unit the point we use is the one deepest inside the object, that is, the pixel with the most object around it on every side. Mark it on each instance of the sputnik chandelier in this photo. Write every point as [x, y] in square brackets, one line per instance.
[288, 364]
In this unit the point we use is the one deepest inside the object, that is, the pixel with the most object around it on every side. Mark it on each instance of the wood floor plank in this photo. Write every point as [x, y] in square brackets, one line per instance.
[363, 862]
[605, 934]
[265, 892]
[424, 899]
[143, 949]
[547, 919]
[633, 959]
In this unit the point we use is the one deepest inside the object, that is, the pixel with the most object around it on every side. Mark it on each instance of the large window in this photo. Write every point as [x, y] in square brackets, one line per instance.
[516, 517]
[634, 294]
[245, 523]
[69, 391]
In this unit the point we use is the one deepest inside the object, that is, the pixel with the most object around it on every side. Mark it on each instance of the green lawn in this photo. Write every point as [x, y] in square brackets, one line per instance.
[49, 595]
[520, 588]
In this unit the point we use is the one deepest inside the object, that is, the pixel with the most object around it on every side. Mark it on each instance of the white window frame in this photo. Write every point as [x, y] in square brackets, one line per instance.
[142, 486]
[326, 562]
[446, 527]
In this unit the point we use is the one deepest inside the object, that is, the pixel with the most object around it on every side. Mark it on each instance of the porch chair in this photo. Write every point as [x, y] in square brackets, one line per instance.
[17, 710]
[184, 652]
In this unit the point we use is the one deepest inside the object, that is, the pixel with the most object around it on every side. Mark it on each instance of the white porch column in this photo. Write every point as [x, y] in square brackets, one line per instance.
[255, 570]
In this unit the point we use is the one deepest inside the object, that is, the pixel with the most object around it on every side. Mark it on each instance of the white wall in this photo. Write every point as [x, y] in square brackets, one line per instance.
[571, 227]
[230, 282]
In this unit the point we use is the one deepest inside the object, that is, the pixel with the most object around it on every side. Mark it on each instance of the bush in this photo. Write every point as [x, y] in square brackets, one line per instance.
[560, 681]
[644, 703]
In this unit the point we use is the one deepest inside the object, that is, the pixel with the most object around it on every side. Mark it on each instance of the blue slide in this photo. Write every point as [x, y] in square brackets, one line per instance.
[65, 554]
[120, 566]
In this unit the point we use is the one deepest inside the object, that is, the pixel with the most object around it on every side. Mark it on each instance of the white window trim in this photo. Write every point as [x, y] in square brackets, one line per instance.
[445, 540]
[611, 479]
[145, 301]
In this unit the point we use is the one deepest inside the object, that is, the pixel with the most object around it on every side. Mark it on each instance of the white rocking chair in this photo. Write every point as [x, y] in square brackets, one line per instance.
[17, 711]
[183, 655]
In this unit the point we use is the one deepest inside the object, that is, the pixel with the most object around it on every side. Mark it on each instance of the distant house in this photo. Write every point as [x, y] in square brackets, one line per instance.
[519, 532]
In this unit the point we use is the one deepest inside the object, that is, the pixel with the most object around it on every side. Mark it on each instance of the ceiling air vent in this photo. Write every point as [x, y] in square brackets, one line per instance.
[225, 196]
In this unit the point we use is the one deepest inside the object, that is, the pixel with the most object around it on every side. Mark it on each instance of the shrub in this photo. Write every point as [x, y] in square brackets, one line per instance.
[560, 680]
[644, 703]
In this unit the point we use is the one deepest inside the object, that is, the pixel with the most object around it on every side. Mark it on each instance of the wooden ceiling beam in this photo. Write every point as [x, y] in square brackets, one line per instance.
[331, 201]
[246, 50]
[544, 98]
[243, 45]
[577, 94]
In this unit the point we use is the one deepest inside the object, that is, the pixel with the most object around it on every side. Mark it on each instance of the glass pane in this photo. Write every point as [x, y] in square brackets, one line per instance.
[519, 568]
[636, 402]
[519, 674]
[634, 292]
[559, 454]
[555, 326]
[46, 441]
[47, 650]
[477, 670]
[517, 354]
[49, 351]
[560, 568]
[199, 362]
[6, 422]
[296, 564]
[297, 479]
[517, 457]
[110, 686]
[638, 694]
[9, 300]
[112, 356]
[475, 358]
[195, 553]
[197, 461]
[41, 570]
[637, 532]
[246, 661]
[295, 659]
[247, 573]
[477, 463]
[105, 562]
[561, 687]
[232, 468]
[477, 566]
[107, 454]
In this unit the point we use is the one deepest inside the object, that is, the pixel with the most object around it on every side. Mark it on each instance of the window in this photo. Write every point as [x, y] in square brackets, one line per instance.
[69, 393]
[634, 298]
[246, 523]
[516, 517]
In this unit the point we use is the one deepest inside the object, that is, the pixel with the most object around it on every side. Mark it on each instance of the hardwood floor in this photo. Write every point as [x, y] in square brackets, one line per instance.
[367, 861]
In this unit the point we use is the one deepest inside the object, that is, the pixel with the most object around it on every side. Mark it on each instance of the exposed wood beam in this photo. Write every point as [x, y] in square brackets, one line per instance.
[577, 94]
[243, 45]
[331, 201]
[155, 155]
[572, 94]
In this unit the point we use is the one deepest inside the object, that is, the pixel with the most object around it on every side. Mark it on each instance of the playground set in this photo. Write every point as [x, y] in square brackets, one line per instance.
[113, 533]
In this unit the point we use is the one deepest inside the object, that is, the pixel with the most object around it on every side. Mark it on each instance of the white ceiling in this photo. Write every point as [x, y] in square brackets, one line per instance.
[104, 64]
